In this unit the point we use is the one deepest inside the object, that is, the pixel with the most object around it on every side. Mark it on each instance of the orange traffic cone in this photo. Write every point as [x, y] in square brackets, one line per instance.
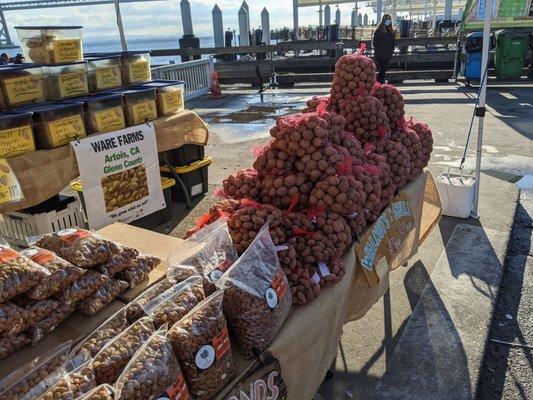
[216, 93]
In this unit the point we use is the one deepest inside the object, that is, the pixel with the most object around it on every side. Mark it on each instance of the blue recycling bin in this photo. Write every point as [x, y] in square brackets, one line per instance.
[473, 47]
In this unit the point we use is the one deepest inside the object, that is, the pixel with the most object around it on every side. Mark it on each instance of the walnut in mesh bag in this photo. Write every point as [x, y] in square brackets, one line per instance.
[79, 246]
[115, 355]
[21, 381]
[109, 329]
[201, 342]
[17, 273]
[118, 262]
[83, 287]
[102, 297]
[62, 273]
[139, 269]
[135, 309]
[152, 371]
[11, 343]
[176, 302]
[12, 318]
[257, 299]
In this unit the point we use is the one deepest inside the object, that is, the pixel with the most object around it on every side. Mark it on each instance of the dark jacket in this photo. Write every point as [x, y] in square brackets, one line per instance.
[383, 44]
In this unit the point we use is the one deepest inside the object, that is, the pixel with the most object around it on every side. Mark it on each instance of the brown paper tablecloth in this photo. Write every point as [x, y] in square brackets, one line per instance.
[44, 173]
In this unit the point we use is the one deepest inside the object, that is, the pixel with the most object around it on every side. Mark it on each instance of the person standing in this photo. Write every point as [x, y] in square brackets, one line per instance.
[4, 59]
[383, 43]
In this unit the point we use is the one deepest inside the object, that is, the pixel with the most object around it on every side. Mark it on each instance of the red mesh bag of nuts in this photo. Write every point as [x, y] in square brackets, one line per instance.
[352, 72]
[340, 194]
[243, 184]
[286, 190]
[332, 272]
[351, 144]
[409, 139]
[223, 208]
[398, 159]
[377, 164]
[304, 282]
[272, 161]
[300, 134]
[425, 137]
[320, 163]
[392, 99]
[257, 298]
[372, 187]
[366, 117]
[313, 103]
[336, 229]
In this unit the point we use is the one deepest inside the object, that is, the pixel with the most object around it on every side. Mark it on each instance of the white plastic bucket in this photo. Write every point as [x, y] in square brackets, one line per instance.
[456, 193]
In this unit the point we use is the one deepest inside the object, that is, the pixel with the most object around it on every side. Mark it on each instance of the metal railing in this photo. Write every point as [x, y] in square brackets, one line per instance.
[196, 75]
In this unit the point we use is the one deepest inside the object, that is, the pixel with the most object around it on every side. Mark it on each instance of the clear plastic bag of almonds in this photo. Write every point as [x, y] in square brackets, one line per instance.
[73, 379]
[45, 326]
[153, 372]
[118, 262]
[37, 310]
[10, 343]
[62, 273]
[217, 253]
[18, 273]
[12, 318]
[22, 380]
[107, 331]
[101, 392]
[134, 310]
[115, 355]
[102, 297]
[201, 342]
[257, 297]
[139, 269]
[81, 247]
[84, 287]
[172, 305]
[183, 264]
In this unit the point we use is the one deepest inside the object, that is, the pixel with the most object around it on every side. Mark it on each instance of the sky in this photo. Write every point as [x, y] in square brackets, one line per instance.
[161, 19]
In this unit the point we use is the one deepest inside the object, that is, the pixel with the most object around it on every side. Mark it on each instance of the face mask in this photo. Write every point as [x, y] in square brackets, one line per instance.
[388, 22]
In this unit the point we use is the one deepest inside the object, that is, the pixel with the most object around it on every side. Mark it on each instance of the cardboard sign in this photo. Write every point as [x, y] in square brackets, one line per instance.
[120, 175]
[379, 245]
[262, 381]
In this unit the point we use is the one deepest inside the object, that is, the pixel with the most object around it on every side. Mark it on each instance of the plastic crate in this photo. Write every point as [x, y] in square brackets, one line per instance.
[59, 212]
[194, 176]
[186, 154]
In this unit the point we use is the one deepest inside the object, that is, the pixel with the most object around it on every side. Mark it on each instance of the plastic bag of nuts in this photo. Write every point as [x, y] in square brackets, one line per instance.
[102, 297]
[37, 310]
[183, 265]
[56, 387]
[115, 355]
[62, 273]
[217, 254]
[135, 309]
[139, 269]
[201, 342]
[22, 380]
[152, 372]
[79, 246]
[101, 392]
[12, 318]
[18, 273]
[172, 305]
[11, 343]
[106, 332]
[257, 298]
[83, 287]
[46, 325]
[119, 262]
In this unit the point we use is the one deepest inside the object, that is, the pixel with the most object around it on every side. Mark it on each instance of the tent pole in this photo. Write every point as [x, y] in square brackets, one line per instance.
[480, 109]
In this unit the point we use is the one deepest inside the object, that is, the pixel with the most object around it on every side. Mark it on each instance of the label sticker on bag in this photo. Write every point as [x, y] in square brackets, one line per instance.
[217, 273]
[40, 256]
[72, 234]
[7, 254]
[213, 351]
[276, 291]
[323, 268]
[178, 391]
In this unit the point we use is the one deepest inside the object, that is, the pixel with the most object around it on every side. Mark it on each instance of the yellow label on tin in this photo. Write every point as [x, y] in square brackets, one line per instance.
[68, 50]
[110, 120]
[108, 78]
[16, 141]
[144, 111]
[23, 89]
[63, 130]
[73, 85]
[10, 190]
[139, 71]
[172, 101]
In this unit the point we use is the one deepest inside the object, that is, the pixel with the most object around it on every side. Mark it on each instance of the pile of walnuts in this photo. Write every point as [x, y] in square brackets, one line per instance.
[392, 100]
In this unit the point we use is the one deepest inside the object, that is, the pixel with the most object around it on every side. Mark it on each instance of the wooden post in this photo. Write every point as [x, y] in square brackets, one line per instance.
[218, 26]
[248, 28]
[327, 15]
[244, 33]
[265, 25]
[338, 17]
[186, 18]
[120, 27]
